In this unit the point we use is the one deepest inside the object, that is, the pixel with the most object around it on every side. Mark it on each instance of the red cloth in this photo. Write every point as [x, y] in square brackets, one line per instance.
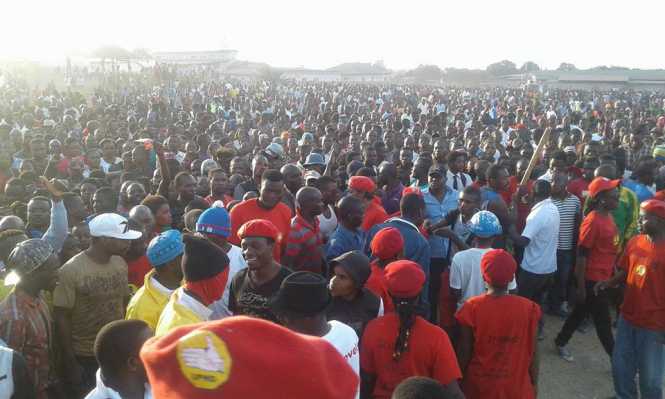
[429, 354]
[210, 200]
[362, 183]
[211, 289]
[644, 297]
[374, 214]
[136, 271]
[504, 330]
[178, 364]
[498, 267]
[404, 278]
[248, 210]
[579, 188]
[376, 283]
[654, 206]
[599, 235]
[447, 302]
[387, 243]
[523, 210]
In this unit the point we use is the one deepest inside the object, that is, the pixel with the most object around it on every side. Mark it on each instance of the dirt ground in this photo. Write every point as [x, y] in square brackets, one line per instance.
[588, 377]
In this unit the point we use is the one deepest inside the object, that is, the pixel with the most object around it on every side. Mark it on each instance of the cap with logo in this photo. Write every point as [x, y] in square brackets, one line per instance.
[112, 225]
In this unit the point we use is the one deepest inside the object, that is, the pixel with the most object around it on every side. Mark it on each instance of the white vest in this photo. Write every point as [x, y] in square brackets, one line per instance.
[6, 375]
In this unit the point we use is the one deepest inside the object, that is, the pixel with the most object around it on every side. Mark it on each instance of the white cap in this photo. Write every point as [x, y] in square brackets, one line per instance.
[311, 174]
[112, 225]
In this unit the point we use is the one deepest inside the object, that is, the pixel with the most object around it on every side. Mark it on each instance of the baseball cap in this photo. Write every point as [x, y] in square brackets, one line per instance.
[112, 225]
[274, 150]
[311, 174]
[600, 184]
[315, 158]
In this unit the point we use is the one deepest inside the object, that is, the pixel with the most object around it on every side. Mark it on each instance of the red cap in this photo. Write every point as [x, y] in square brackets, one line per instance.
[600, 184]
[387, 243]
[259, 228]
[660, 195]
[237, 358]
[498, 267]
[654, 206]
[411, 190]
[362, 183]
[404, 278]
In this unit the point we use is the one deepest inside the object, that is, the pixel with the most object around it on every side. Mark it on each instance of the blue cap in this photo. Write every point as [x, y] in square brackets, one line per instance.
[315, 158]
[165, 247]
[214, 221]
[485, 224]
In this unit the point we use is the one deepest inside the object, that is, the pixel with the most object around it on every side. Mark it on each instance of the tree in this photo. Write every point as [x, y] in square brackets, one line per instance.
[426, 73]
[504, 67]
[566, 67]
[529, 66]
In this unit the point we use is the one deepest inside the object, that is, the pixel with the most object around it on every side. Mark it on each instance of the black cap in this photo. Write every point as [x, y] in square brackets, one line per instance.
[202, 259]
[302, 293]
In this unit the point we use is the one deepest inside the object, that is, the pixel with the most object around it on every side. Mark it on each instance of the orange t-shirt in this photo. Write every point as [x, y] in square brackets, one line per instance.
[248, 210]
[429, 354]
[377, 284]
[644, 297]
[504, 331]
[136, 271]
[599, 235]
[374, 214]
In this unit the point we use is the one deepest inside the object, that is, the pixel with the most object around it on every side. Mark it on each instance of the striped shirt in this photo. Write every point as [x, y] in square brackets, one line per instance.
[304, 245]
[569, 208]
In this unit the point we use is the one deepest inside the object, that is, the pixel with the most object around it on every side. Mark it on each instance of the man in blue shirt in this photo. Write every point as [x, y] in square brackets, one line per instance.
[439, 201]
[643, 178]
[416, 247]
[347, 236]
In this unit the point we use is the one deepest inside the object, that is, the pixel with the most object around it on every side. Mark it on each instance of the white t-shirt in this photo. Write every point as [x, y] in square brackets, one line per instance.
[328, 225]
[220, 309]
[105, 166]
[465, 274]
[542, 228]
[345, 340]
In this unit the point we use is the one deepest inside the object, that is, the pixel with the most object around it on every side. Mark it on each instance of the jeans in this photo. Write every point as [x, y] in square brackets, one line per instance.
[558, 292]
[598, 306]
[638, 351]
[533, 286]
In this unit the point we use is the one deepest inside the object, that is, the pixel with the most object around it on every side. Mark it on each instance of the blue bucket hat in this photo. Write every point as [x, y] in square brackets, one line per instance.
[165, 247]
[485, 224]
[214, 221]
[315, 158]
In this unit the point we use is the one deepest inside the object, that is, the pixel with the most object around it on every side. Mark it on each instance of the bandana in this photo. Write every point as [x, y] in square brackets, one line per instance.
[211, 289]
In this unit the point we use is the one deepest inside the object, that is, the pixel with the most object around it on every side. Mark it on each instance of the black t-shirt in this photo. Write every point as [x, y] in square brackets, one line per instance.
[245, 298]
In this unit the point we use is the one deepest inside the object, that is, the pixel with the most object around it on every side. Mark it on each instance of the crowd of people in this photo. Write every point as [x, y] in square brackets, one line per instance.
[254, 239]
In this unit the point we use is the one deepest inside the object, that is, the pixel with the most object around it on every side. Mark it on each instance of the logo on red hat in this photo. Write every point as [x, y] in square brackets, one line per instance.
[204, 359]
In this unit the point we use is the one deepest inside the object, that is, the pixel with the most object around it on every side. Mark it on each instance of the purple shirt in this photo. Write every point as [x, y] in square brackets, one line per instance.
[390, 199]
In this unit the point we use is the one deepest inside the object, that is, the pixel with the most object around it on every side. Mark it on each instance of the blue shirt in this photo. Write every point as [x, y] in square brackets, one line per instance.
[344, 240]
[416, 249]
[641, 191]
[436, 211]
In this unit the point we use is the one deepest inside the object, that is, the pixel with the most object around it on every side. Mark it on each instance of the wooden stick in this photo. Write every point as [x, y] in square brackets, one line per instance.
[536, 155]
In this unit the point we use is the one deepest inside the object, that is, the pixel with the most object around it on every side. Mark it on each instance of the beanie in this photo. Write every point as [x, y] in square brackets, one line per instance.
[202, 259]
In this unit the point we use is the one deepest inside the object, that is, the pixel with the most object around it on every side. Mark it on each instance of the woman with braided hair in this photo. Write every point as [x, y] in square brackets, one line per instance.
[402, 344]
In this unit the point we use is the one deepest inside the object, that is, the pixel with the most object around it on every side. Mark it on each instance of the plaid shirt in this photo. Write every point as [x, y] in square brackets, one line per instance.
[304, 244]
[25, 325]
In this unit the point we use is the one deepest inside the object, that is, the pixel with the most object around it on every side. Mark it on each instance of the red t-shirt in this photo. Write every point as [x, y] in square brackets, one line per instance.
[377, 284]
[374, 214]
[429, 354]
[523, 209]
[599, 235]
[644, 297]
[579, 188]
[136, 271]
[248, 210]
[504, 331]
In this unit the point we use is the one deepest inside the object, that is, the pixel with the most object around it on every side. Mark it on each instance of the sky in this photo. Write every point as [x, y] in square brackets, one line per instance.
[318, 34]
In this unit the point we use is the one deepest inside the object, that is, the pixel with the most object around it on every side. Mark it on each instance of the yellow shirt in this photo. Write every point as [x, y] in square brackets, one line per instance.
[181, 310]
[148, 302]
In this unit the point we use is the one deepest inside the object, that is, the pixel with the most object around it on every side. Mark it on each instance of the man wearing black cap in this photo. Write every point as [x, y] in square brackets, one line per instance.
[301, 305]
[352, 303]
